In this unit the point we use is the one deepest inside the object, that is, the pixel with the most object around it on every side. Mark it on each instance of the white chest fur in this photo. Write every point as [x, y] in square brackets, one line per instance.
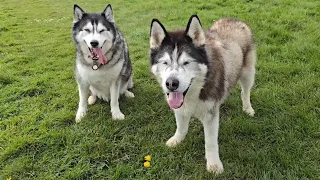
[194, 106]
[99, 80]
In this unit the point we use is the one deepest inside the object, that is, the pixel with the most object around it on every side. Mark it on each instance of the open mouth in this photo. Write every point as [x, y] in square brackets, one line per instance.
[175, 99]
[97, 53]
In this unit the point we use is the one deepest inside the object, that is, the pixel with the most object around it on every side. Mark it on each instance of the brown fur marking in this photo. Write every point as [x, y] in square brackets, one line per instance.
[214, 86]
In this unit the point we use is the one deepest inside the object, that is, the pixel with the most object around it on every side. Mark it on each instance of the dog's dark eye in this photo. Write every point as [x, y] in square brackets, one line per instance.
[87, 30]
[108, 29]
[186, 63]
[102, 30]
[165, 63]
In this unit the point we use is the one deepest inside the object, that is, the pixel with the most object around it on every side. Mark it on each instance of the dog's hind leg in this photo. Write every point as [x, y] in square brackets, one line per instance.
[130, 82]
[125, 88]
[93, 98]
[247, 80]
[128, 94]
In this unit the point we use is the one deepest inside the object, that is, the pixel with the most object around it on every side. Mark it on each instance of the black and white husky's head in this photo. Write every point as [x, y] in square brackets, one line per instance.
[178, 59]
[93, 32]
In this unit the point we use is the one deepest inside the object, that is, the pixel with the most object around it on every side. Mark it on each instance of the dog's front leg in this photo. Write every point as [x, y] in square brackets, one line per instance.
[83, 96]
[211, 128]
[114, 102]
[182, 122]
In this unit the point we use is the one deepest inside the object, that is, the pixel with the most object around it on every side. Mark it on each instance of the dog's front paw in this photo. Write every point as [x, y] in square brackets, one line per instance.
[249, 111]
[80, 115]
[215, 167]
[174, 141]
[129, 94]
[117, 115]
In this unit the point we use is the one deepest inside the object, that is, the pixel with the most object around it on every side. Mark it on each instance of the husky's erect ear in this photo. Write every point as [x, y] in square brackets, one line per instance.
[195, 32]
[108, 13]
[78, 13]
[157, 33]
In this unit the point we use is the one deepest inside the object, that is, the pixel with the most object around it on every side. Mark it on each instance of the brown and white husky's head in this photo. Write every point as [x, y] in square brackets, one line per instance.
[178, 59]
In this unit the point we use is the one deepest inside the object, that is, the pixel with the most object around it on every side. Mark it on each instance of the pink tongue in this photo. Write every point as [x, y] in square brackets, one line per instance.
[97, 52]
[175, 100]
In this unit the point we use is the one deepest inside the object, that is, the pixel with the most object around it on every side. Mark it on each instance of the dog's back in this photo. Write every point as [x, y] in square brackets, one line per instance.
[232, 30]
[233, 41]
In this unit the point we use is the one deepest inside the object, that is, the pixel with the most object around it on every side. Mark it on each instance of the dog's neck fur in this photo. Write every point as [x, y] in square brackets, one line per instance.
[214, 86]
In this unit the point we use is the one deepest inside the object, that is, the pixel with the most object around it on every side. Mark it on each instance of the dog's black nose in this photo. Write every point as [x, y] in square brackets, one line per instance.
[172, 84]
[94, 43]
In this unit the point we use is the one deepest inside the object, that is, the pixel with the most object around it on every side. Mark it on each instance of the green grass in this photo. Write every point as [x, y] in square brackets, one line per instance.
[39, 138]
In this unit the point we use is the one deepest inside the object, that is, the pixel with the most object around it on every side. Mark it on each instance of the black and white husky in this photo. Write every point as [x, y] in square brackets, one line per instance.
[196, 71]
[103, 65]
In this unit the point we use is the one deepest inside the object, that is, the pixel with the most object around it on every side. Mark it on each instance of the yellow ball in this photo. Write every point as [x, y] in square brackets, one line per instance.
[146, 164]
[147, 158]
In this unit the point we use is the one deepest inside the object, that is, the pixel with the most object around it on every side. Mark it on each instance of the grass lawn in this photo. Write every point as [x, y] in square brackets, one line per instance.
[39, 138]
